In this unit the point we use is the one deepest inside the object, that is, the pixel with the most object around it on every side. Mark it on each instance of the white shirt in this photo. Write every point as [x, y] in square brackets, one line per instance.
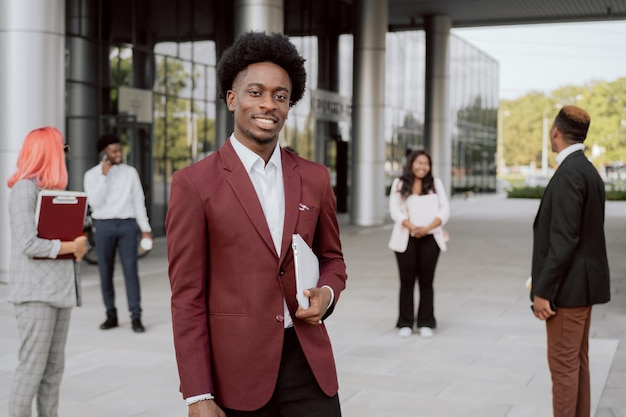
[117, 195]
[560, 157]
[267, 180]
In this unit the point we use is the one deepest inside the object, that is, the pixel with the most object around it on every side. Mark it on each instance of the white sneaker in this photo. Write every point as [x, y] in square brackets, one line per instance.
[405, 332]
[426, 332]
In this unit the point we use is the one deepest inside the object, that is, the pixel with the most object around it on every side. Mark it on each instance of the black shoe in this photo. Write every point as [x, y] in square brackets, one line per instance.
[137, 326]
[110, 323]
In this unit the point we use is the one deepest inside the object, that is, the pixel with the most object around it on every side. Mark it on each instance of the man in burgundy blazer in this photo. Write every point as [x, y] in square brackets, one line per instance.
[239, 334]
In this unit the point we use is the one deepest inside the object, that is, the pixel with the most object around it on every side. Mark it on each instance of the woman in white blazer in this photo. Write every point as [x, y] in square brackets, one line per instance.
[419, 208]
[42, 290]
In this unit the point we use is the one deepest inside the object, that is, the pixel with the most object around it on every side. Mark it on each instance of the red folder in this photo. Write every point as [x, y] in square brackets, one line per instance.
[61, 215]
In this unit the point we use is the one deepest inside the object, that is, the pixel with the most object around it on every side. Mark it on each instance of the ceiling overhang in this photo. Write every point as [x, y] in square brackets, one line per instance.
[410, 14]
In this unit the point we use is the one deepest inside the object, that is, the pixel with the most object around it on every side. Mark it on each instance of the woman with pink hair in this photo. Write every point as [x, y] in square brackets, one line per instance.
[42, 290]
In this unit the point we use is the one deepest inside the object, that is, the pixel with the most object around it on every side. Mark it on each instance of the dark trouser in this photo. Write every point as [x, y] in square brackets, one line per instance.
[418, 262]
[118, 234]
[297, 393]
[568, 359]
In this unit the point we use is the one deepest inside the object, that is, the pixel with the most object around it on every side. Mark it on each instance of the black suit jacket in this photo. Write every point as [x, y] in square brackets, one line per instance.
[569, 262]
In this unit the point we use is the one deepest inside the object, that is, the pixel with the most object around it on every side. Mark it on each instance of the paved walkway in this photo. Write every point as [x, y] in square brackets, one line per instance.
[487, 358]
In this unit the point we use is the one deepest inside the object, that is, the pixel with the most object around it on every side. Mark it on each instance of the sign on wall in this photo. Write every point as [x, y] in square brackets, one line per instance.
[136, 102]
[330, 106]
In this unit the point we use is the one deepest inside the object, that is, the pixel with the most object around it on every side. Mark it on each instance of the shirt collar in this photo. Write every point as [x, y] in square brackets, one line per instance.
[560, 157]
[250, 158]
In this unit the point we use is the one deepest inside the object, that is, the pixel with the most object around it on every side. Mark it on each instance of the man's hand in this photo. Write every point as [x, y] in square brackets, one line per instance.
[319, 299]
[106, 164]
[206, 408]
[542, 309]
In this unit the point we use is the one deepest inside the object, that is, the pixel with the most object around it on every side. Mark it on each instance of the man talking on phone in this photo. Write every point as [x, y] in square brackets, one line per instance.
[118, 209]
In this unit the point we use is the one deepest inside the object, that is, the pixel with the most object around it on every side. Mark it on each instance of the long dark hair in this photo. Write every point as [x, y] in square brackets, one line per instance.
[407, 177]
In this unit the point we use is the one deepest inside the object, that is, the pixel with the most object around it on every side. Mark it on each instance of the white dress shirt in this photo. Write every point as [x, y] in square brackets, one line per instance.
[117, 195]
[267, 180]
[560, 157]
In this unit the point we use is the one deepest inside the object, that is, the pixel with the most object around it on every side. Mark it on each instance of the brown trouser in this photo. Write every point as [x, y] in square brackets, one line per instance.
[568, 359]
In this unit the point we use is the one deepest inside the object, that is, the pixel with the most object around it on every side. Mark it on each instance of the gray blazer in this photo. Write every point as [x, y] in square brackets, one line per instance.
[52, 281]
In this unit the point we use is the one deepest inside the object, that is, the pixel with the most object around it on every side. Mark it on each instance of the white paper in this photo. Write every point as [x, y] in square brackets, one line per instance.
[307, 269]
[423, 209]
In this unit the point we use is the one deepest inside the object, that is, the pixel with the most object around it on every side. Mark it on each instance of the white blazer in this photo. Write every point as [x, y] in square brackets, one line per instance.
[399, 212]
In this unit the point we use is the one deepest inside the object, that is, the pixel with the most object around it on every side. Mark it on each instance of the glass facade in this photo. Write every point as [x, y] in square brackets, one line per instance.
[474, 81]
[181, 78]
[299, 130]
[184, 111]
[404, 97]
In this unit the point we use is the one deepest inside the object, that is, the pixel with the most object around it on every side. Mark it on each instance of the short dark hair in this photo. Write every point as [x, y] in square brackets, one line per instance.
[573, 122]
[253, 47]
[106, 140]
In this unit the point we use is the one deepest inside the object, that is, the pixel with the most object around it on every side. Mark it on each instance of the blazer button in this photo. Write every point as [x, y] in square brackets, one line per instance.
[280, 318]
[281, 273]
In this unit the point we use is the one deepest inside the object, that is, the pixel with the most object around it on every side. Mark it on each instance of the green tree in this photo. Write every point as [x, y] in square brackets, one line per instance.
[522, 122]
[176, 122]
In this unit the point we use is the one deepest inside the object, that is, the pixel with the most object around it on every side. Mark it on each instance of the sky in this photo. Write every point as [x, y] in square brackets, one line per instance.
[548, 56]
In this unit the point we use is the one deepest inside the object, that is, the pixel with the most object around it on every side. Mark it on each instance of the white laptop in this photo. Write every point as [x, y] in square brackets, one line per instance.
[307, 269]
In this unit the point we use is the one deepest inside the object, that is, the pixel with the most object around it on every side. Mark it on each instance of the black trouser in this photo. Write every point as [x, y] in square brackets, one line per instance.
[418, 262]
[297, 393]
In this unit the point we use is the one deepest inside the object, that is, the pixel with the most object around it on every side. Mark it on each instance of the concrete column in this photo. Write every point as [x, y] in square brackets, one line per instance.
[367, 189]
[83, 89]
[258, 15]
[437, 136]
[32, 86]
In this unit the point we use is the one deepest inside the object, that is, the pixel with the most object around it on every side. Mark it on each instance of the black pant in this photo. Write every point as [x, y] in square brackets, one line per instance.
[297, 393]
[418, 262]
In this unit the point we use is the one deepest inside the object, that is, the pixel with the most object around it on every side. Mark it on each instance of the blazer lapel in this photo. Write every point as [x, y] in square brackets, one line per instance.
[239, 180]
[293, 192]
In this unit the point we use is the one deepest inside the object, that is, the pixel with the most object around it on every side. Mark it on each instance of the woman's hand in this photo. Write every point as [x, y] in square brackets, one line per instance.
[77, 247]
[80, 248]
[419, 232]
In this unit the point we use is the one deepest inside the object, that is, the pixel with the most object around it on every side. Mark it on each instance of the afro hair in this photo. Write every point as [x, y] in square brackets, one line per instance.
[253, 47]
[106, 140]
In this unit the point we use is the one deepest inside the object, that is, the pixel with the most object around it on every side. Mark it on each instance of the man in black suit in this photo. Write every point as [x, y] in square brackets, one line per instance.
[570, 271]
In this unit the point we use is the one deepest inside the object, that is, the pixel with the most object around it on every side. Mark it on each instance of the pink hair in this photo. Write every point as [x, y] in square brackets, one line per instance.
[42, 159]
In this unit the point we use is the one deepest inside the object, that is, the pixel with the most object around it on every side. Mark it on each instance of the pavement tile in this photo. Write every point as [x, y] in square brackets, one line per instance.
[487, 358]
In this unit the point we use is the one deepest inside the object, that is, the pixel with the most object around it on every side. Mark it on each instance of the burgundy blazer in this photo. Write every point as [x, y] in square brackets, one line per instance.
[228, 283]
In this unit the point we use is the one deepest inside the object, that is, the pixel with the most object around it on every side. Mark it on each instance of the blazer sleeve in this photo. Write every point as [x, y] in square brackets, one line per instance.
[566, 207]
[327, 244]
[397, 208]
[187, 247]
[22, 207]
[398, 211]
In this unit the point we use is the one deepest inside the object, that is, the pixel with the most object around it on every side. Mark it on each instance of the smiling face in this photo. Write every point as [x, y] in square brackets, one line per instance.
[420, 166]
[260, 102]
[114, 153]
